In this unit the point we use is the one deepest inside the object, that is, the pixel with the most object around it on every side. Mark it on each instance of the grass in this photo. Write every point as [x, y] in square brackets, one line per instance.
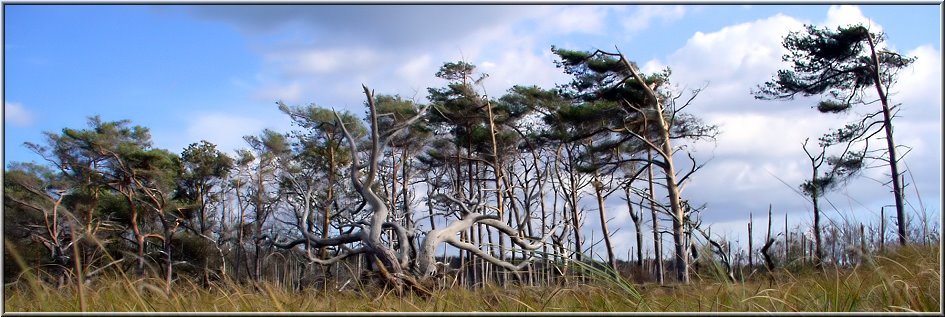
[906, 280]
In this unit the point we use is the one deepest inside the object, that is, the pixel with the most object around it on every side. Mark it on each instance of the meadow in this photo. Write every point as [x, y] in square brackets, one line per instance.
[902, 280]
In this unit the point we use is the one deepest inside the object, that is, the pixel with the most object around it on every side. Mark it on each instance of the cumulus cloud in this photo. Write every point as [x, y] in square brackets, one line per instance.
[418, 67]
[588, 19]
[758, 155]
[321, 61]
[330, 69]
[732, 60]
[224, 130]
[291, 92]
[919, 86]
[647, 14]
[16, 114]
[843, 15]
[520, 66]
[759, 134]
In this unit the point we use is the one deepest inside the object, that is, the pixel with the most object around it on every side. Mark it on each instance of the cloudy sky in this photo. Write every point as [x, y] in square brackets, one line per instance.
[214, 72]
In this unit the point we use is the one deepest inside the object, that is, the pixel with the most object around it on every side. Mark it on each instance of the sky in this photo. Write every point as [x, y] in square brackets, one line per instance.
[215, 72]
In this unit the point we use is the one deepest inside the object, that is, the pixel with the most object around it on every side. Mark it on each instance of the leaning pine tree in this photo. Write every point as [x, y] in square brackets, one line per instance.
[842, 66]
[644, 113]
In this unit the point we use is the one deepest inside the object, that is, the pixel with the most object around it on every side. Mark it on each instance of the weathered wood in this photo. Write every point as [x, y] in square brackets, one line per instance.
[767, 257]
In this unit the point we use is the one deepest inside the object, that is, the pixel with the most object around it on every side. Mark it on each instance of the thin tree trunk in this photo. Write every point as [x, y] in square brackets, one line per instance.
[239, 250]
[637, 218]
[139, 238]
[750, 249]
[326, 214]
[672, 187]
[657, 237]
[890, 144]
[768, 235]
[598, 190]
[818, 249]
[169, 266]
[499, 178]
[787, 241]
[882, 230]
[862, 242]
[575, 210]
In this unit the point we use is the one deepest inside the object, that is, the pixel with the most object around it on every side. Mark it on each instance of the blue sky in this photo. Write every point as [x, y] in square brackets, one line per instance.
[215, 72]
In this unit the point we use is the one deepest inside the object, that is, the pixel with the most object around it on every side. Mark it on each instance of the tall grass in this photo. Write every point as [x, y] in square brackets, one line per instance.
[906, 279]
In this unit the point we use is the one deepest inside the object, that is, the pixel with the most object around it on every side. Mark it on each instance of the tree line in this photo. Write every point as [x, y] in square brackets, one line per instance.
[499, 181]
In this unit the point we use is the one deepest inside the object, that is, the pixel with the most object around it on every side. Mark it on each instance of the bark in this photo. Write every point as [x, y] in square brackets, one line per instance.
[139, 238]
[750, 249]
[657, 237]
[815, 163]
[575, 210]
[598, 190]
[764, 252]
[890, 144]
[239, 249]
[637, 218]
[326, 214]
[882, 229]
[666, 152]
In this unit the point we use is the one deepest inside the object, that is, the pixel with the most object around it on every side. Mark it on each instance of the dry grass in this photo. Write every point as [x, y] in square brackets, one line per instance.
[907, 280]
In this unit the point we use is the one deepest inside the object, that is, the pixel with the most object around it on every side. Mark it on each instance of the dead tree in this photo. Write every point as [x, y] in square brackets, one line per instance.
[385, 242]
[721, 252]
[764, 252]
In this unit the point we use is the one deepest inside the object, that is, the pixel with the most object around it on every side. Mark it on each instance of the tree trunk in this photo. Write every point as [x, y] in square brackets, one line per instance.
[787, 240]
[818, 248]
[637, 218]
[169, 266]
[666, 152]
[750, 249]
[139, 238]
[882, 230]
[575, 209]
[326, 214]
[657, 241]
[890, 144]
[598, 189]
[764, 252]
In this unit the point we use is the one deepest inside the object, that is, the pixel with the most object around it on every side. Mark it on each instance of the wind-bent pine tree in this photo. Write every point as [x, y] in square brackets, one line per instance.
[311, 169]
[842, 168]
[267, 146]
[841, 65]
[200, 190]
[646, 115]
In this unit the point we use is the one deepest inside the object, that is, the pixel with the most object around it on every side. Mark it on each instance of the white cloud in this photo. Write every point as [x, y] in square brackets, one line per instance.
[737, 56]
[765, 135]
[574, 19]
[520, 66]
[647, 14]
[291, 92]
[321, 61]
[843, 15]
[652, 66]
[224, 130]
[413, 69]
[919, 87]
[18, 115]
